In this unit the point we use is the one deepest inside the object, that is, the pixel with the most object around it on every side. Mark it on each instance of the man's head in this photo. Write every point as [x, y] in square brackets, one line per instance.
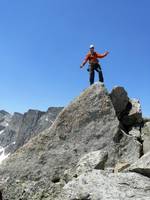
[92, 48]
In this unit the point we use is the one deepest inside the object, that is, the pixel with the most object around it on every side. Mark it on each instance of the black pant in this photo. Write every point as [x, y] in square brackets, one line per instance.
[92, 69]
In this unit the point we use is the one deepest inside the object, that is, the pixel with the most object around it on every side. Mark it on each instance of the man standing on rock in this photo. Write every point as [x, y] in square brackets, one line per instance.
[94, 65]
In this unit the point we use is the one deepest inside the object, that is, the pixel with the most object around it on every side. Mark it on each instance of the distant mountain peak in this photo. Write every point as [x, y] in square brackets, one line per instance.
[3, 112]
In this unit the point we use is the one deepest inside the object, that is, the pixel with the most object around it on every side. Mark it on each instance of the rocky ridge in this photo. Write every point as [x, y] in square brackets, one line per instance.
[17, 129]
[92, 151]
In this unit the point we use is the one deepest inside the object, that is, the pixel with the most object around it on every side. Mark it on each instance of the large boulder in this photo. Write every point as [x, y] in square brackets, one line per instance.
[146, 137]
[119, 99]
[134, 113]
[128, 148]
[99, 185]
[142, 165]
[128, 110]
[90, 161]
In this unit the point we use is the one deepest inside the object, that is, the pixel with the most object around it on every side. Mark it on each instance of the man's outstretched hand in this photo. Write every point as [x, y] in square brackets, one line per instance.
[106, 53]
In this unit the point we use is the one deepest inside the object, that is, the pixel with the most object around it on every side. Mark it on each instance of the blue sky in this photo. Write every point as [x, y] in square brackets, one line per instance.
[43, 42]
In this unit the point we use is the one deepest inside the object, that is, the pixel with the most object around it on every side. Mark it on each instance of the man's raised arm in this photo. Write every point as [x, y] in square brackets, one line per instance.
[102, 55]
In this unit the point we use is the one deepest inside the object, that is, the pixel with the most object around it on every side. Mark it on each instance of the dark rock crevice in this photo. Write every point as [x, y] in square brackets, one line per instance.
[1, 196]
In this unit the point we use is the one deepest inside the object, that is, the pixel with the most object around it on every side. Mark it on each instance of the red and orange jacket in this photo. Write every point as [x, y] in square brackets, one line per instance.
[93, 58]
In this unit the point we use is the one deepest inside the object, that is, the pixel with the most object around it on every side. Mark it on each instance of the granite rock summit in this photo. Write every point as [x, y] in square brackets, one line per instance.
[85, 153]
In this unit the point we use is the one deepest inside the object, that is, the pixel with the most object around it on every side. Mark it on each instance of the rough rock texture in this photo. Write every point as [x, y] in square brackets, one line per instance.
[119, 99]
[142, 165]
[90, 161]
[128, 110]
[146, 137]
[134, 115]
[128, 148]
[99, 185]
[63, 158]
[135, 132]
[89, 123]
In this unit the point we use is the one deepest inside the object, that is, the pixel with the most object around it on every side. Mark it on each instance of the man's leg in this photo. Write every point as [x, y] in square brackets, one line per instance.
[91, 74]
[100, 74]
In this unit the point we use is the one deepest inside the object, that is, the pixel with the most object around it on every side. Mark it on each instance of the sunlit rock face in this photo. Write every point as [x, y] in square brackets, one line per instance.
[86, 150]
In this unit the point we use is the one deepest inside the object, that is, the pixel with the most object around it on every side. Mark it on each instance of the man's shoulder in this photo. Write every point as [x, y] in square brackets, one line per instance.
[88, 54]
